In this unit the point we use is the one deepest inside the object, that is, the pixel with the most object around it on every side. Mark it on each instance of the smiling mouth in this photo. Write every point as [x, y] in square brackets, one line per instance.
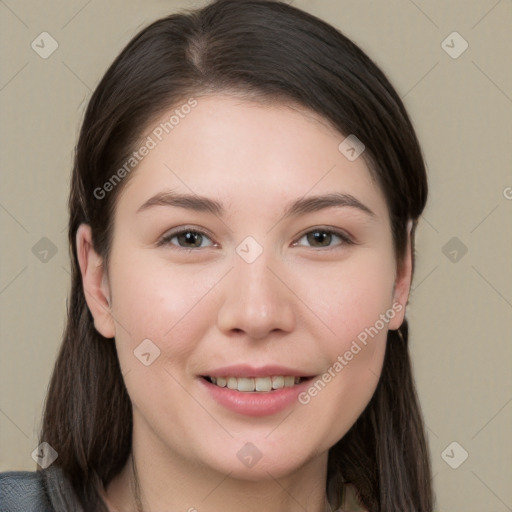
[258, 384]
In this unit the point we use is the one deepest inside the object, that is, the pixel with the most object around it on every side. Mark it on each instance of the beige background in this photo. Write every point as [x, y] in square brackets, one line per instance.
[460, 311]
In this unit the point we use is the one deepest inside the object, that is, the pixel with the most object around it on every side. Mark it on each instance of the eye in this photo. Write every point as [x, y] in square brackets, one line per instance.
[324, 238]
[186, 239]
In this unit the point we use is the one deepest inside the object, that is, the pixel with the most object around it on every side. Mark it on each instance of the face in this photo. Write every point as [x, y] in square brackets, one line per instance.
[248, 252]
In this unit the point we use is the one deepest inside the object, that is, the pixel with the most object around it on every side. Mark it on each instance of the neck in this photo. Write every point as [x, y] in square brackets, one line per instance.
[151, 481]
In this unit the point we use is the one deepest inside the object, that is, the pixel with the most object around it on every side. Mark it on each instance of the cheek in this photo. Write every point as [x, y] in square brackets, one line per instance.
[153, 301]
[353, 297]
[166, 307]
[356, 305]
[354, 354]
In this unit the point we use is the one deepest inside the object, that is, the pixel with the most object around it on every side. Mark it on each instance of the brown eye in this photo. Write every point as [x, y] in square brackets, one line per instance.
[319, 238]
[187, 239]
[324, 238]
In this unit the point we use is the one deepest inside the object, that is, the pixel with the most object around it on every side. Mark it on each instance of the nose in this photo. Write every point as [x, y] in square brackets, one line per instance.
[256, 300]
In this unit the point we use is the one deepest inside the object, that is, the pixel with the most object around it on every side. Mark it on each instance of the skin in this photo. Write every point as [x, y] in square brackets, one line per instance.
[299, 304]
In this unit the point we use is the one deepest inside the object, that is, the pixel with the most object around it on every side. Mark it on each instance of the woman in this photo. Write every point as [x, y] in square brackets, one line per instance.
[243, 203]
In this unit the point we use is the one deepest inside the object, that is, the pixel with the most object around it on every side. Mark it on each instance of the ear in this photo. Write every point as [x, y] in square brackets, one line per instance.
[402, 285]
[95, 282]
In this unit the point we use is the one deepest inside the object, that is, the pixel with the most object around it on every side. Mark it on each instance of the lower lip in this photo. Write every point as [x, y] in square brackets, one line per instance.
[255, 403]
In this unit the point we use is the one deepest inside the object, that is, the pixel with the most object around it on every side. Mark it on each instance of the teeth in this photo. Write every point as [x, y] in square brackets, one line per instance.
[263, 383]
[277, 382]
[245, 384]
[289, 381]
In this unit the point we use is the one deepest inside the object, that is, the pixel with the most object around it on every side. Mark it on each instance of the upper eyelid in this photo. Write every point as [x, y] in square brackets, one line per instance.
[171, 234]
[335, 231]
[346, 239]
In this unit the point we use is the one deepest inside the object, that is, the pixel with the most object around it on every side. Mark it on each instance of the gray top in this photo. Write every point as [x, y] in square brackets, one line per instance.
[49, 491]
[39, 491]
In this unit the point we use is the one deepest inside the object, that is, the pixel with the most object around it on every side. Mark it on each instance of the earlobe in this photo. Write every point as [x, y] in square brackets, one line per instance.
[403, 281]
[95, 282]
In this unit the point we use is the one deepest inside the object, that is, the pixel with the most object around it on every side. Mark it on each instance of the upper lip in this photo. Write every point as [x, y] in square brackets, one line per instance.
[248, 371]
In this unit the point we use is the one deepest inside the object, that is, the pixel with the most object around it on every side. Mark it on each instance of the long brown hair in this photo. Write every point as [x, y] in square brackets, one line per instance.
[272, 51]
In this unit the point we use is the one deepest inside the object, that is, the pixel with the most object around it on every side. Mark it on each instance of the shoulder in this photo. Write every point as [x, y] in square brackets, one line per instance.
[23, 491]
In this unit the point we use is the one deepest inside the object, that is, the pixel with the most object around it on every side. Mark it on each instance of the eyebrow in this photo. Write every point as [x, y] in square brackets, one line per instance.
[298, 207]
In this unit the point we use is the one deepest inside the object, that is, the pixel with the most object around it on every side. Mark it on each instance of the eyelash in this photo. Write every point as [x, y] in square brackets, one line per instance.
[345, 239]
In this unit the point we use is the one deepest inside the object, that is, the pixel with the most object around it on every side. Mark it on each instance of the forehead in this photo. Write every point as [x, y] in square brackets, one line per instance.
[245, 152]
